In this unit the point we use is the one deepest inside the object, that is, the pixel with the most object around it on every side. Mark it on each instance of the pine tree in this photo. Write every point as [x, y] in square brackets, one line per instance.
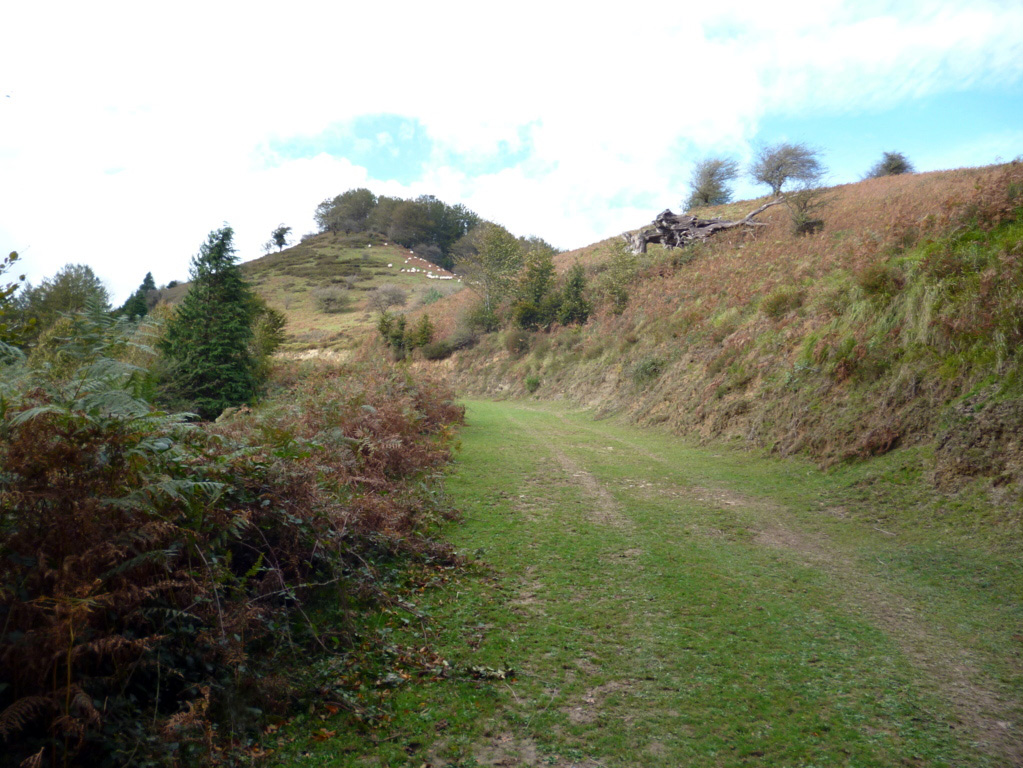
[137, 304]
[208, 345]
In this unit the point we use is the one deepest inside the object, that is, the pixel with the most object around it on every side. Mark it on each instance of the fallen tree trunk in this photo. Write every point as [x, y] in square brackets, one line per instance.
[678, 230]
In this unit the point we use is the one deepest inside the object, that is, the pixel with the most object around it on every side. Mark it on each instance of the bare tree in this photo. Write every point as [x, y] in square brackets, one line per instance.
[709, 182]
[779, 164]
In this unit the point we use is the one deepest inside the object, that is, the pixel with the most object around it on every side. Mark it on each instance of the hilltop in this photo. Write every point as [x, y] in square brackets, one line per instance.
[339, 271]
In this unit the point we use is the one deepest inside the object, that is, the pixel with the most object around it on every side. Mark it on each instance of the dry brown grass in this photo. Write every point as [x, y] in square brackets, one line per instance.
[836, 343]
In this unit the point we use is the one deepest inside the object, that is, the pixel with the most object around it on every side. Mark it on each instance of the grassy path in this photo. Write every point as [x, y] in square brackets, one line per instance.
[663, 605]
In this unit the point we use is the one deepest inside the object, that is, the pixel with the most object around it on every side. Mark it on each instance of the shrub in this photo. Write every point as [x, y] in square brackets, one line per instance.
[438, 350]
[646, 370]
[481, 319]
[880, 280]
[386, 296]
[517, 342]
[430, 297]
[891, 164]
[804, 207]
[332, 300]
[621, 268]
[781, 301]
[151, 570]
[532, 383]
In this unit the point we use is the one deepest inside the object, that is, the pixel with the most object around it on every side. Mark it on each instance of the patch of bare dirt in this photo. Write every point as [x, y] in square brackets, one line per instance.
[603, 509]
[509, 750]
[589, 708]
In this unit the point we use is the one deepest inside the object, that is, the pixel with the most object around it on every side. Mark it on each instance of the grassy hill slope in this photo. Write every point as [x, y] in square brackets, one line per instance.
[290, 280]
[899, 325]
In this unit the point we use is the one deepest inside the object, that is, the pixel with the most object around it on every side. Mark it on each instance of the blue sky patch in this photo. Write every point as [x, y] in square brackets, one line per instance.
[923, 129]
[390, 147]
[397, 148]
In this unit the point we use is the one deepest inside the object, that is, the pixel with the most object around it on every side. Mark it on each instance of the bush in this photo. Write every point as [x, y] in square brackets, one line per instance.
[892, 164]
[646, 370]
[532, 383]
[386, 296]
[438, 350]
[881, 280]
[430, 297]
[332, 300]
[781, 301]
[517, 342]
[481, 319]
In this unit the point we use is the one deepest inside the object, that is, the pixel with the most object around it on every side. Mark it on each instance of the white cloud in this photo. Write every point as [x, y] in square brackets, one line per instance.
[131, 130]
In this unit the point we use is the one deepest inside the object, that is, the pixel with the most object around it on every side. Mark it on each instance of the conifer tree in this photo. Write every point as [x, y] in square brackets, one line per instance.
[137, 304]
[208, 345]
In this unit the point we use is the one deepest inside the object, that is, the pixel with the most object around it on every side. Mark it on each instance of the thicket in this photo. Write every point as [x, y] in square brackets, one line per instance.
[36, 308]
[400, 338]
[154, 572]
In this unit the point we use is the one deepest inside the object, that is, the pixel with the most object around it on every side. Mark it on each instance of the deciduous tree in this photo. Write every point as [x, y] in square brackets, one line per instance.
[709, 183]
[488, 259]
[72, 289]
[892, 164]
[779, 165]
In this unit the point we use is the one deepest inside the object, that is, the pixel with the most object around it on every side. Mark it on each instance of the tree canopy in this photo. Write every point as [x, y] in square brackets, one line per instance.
[74, 288]
[891, 164]
[415, 223]
[709, 182]
[488, 259]
[779, 164]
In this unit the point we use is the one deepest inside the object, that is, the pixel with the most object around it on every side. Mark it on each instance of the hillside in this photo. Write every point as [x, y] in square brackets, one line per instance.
[325, 265]
[898, 325]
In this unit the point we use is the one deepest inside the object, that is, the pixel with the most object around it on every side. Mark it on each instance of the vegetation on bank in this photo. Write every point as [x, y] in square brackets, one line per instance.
[898, 324]
[156, 575]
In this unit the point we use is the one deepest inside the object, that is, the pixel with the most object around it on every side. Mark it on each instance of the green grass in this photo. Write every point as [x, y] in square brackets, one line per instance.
[666, 605]
[288, 280]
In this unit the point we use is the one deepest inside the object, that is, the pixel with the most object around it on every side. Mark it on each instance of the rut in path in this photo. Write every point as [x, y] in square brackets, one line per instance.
[953, 670]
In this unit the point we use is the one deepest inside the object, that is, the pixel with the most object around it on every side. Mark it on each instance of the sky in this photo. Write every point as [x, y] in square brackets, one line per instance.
[129, 131]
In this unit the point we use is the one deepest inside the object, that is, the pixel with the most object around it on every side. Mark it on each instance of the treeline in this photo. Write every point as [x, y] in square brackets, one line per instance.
[435, 230]
[214, 347]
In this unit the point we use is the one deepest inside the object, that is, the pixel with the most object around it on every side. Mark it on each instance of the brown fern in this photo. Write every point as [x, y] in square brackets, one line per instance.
[22, 712]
